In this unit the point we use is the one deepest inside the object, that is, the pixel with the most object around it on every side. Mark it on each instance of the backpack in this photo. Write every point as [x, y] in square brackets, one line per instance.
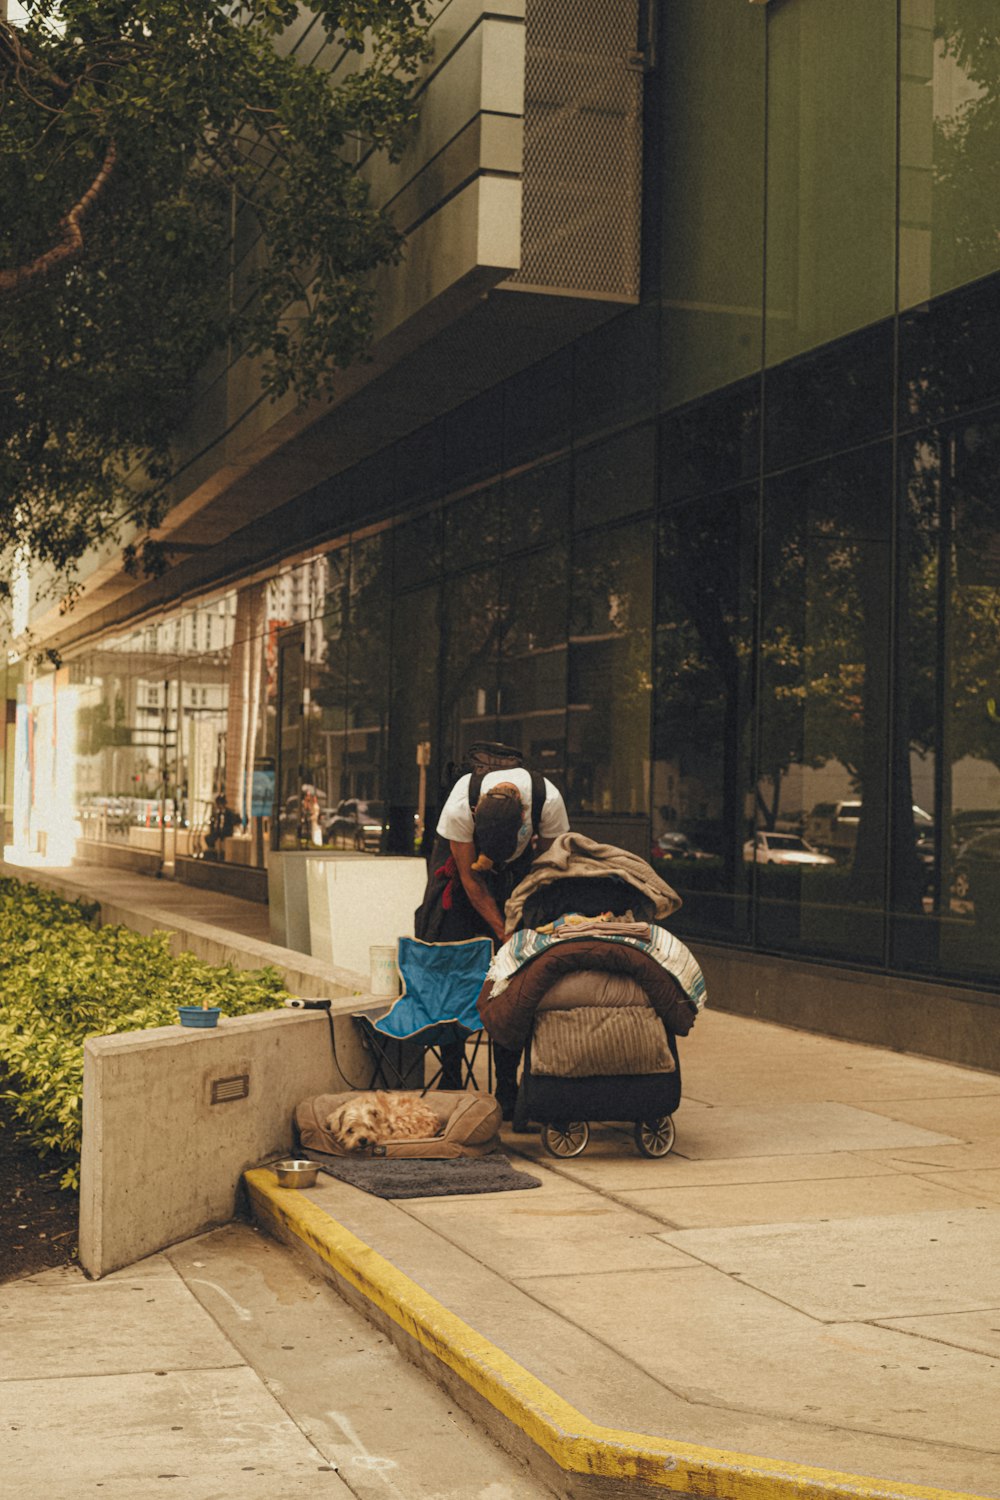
[482, 757]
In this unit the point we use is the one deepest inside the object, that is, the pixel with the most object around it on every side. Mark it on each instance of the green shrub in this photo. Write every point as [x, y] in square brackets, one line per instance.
[62, 980]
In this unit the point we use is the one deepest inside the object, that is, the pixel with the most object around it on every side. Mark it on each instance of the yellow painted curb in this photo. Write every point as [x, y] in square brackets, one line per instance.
[577, 1445]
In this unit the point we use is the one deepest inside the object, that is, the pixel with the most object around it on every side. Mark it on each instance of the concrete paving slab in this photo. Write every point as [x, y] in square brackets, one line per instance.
[967, 1117]
[581, 1234]
[796, 1129]
[906, 1265]
[738, 1059]
[197, 1433]
[976, 1331]
[807, 1199]
[964, 1155]
[983, 1185]
[55, 1325]
[593, 1371]
[392, 1433]
[713, 1340]
[629, 1174]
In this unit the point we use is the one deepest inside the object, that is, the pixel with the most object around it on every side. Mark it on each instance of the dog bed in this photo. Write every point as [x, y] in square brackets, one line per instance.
[469, 1126]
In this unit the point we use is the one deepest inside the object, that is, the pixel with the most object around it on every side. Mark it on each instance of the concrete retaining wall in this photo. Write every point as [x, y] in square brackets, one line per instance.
[162, 1161]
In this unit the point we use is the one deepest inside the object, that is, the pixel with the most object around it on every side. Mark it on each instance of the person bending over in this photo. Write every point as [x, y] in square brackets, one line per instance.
[493, 845]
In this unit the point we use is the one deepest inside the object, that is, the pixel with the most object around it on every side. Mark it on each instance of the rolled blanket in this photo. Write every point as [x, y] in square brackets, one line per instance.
[574, 856]
[508, 1012]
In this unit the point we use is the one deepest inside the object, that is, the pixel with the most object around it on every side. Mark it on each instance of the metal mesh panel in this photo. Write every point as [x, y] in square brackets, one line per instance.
[582, 148]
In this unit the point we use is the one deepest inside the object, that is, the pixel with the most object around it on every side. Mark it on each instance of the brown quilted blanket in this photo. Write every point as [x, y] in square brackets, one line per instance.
[509, 1015]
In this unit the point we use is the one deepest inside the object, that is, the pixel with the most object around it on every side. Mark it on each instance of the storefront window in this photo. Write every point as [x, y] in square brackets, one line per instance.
[607, 776]
[712, 194]
[949, 229]
[831, 171]
[703, 727]
[818, 844]
[533, 659]
[946, 866]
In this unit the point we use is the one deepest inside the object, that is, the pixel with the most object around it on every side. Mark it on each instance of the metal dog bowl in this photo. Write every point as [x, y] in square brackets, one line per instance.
[295, 1173]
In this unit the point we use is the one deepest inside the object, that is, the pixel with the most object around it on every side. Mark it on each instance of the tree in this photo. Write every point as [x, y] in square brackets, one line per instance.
[178, 185]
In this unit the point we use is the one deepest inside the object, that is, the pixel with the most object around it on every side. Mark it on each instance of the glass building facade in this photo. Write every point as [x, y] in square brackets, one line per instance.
[727, 569]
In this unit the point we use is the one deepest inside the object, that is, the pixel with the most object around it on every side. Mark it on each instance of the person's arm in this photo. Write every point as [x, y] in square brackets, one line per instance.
[479, 896]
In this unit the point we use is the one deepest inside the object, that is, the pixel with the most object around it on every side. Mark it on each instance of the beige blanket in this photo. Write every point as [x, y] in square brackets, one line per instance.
[573, 854]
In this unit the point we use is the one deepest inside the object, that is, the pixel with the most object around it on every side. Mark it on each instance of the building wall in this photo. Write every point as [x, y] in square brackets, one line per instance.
[720, 565]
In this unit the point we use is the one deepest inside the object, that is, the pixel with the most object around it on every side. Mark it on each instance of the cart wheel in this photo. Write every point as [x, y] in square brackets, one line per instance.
[655, 1137]
[566, 1140]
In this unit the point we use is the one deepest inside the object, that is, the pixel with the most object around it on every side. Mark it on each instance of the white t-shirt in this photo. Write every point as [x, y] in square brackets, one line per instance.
[456, 822]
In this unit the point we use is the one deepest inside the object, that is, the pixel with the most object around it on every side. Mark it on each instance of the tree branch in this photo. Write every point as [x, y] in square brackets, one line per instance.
[70, 245]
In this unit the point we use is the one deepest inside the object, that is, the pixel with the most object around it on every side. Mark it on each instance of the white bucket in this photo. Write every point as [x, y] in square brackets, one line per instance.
[384, 980]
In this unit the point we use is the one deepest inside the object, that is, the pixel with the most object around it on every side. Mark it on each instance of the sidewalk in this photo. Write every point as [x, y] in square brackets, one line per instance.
[811, 1277]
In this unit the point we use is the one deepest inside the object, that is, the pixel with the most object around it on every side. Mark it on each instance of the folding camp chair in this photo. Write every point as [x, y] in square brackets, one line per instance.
[437, 1007]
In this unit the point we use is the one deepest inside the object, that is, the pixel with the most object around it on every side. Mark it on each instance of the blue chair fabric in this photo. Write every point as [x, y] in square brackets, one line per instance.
[436, 1008]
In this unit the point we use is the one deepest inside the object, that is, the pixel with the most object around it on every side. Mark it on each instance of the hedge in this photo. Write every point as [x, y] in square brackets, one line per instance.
[63, 979]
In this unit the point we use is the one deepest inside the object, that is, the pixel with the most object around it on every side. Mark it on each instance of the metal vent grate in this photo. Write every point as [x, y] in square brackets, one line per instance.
[582, 183]
[224, 1090]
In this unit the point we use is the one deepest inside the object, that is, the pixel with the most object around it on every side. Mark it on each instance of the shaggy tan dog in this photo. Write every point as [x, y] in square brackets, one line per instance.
[370, 1119]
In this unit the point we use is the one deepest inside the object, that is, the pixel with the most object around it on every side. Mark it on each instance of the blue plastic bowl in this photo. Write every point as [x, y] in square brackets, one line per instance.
[193, 1015]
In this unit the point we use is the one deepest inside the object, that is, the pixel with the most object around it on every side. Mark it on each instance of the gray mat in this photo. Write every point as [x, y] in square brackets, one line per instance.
[402, 1177]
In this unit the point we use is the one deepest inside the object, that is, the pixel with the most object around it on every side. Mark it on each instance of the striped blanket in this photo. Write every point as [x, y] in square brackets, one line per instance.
[661, 945]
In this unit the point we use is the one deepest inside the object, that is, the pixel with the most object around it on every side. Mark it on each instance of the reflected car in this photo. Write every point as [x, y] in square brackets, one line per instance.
[976, 873]
[783, 849]
[356, 822]
[677, 846]
[833, 826]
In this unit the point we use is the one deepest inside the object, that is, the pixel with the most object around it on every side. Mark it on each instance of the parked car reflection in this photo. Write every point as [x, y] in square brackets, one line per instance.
[677, 846]
[783, 849]
[355, 823]
[976, 873]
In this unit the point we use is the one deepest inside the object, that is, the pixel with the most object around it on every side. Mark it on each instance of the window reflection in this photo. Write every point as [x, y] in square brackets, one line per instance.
[949, 228]
[831, 171]
[946, 885]
[533, 659]
[822, 739]
[608, 720]
[703, 716]
[471, 629]
[413, 773]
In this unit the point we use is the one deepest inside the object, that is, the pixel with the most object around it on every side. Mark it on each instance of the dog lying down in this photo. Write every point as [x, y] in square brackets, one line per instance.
[369, 1120]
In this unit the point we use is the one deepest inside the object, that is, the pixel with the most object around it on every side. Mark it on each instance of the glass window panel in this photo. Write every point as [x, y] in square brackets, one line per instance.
[831, 171]
[703, 726]
[946, 855]
[471, 634]
[609, 687]
[368, 677]
[837, 397]
[949, 355]
[419, 464]
[472, 529]
[416, 546]
[712, 444]
[613, 480]
[473, 441]
[712, 103]
[820, 801]
[533, 659]
[413, 751]
[536, 506]
[614, 373]
[949, 229]
[537, 409]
